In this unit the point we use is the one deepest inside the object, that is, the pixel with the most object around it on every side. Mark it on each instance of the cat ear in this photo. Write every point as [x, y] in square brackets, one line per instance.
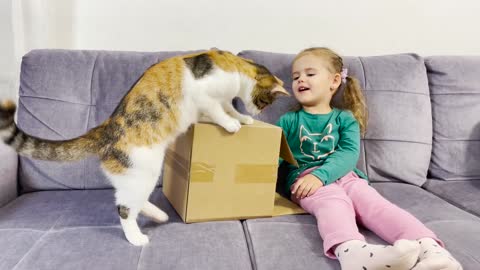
[278, 80]
[329, 126]
[303, 133]
[278, 91]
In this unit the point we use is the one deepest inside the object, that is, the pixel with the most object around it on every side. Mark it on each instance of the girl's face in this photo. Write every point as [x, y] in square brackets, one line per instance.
[313, 82]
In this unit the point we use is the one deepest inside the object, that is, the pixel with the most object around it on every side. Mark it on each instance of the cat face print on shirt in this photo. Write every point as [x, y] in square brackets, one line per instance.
[316, 145]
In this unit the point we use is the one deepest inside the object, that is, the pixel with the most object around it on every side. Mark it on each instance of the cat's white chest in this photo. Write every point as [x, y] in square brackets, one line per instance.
[218, 86]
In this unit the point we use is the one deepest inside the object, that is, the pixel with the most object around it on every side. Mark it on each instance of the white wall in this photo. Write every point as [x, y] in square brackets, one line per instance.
[352, 27]
[27, 25]
[369, 27]
[6, 51]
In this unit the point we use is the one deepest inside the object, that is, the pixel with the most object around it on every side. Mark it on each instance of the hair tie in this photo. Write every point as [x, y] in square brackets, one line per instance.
[344, 74]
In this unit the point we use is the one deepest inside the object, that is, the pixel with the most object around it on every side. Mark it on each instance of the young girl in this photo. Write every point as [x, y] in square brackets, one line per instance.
[325, 141]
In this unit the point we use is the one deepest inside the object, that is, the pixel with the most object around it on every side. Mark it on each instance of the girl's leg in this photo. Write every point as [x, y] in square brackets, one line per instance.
[335, 216]
[384, 218]
[392, 223]
[337, 226]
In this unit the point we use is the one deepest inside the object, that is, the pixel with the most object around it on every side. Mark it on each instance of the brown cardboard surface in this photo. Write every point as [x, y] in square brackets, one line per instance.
[284, 206]
[286, 153]
[211, 174]
[176, 172]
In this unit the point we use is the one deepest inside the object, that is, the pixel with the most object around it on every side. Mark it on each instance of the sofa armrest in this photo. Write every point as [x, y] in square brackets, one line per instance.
[8, 174]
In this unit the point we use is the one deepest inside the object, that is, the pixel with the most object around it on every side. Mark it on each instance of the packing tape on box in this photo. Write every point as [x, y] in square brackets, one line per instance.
[256, 173]
[175, 161]
[202, 172]
[244, 173]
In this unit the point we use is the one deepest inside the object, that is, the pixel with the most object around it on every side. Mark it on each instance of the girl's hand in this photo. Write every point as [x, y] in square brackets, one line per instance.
[306, 186]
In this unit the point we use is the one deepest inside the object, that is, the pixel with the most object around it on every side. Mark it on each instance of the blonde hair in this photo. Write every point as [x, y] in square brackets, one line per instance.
[353, 99]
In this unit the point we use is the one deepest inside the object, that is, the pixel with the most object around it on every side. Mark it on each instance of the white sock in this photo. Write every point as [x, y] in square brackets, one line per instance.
[358, 255]
[433, 256]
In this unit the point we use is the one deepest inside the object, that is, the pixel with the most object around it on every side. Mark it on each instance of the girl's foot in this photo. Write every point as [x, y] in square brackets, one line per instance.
[358, 255]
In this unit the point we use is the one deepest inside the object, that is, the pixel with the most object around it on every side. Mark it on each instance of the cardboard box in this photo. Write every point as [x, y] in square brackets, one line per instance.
[210, 174]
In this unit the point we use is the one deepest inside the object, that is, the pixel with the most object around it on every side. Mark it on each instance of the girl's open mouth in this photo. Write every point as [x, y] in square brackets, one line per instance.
[301, 89]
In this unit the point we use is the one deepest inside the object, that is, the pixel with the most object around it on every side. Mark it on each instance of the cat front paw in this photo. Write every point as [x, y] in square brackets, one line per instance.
[247, 120]
[232, 126]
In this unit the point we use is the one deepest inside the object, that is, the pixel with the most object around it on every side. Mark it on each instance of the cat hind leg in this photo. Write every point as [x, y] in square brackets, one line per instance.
[132, 232]
[132, 192]
[152, 211]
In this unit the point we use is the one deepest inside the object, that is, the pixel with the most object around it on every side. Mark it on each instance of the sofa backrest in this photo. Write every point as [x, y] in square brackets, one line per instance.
[455, 94]
[64, 93]
[397, 144]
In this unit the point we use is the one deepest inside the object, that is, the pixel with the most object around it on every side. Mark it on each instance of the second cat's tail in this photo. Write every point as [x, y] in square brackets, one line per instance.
[30, 146]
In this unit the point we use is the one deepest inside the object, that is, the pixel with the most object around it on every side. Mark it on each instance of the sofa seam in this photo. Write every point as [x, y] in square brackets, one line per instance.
[364, 156]
[288, 222]
[364, 139]
[21, 229]
[84, 163]
[251, 250]
[140, 257]
[363, 73]
[50, 179]
[393, 140]
[451, 202]
[36, 242]
[370, 91]
[54, 99]
[62, 229]
[458, 93]
[45, 124]
[455, 140]
[452, 220]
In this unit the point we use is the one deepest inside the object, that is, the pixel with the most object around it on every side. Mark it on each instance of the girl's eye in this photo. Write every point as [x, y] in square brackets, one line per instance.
[295, 78]
[310, 75]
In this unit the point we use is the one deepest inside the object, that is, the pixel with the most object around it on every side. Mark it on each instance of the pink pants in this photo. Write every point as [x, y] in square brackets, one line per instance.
[339, 205]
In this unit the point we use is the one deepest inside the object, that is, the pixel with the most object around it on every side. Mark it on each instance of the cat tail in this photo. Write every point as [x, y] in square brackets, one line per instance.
[30, 146]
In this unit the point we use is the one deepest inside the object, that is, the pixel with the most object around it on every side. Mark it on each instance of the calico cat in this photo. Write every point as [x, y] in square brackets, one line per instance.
[168, 98]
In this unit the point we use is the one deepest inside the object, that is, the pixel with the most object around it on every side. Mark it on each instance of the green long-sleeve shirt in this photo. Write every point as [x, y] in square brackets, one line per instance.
[331, 141]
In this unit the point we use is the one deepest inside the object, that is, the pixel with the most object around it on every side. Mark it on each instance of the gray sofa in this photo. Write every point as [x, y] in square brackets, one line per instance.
[421, 151]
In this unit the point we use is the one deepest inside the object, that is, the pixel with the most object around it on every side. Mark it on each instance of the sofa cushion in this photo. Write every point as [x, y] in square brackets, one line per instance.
[293, 242]
[397, 144]
[15, 244]
[463, 194]
[81, 230]
[455, 92]
[63, 94]
[8, 171]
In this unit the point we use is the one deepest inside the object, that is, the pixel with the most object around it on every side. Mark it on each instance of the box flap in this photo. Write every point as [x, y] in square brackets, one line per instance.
[283, 206]
[286, 153]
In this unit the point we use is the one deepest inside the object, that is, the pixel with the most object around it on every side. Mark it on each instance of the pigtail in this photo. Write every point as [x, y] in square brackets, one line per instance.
[354, 101]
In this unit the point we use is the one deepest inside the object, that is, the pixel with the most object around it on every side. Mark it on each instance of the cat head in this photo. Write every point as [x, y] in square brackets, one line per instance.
[267, 88]
[261, 87]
